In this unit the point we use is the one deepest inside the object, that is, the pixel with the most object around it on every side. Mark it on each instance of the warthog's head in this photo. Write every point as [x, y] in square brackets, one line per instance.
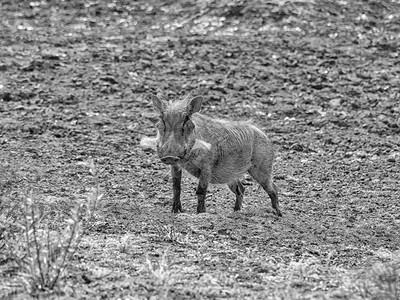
[175, 128]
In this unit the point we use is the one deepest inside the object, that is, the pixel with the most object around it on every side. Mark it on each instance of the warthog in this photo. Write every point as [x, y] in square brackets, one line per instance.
[212, 150]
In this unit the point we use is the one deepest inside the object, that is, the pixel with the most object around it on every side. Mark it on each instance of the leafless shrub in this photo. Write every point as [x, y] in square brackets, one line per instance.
[168, 231]
[8, 217]
[40, 253]
[382, 281]
[162, 273]
[94, 197]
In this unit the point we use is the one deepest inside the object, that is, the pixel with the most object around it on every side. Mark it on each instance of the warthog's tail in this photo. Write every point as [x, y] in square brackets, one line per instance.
[149, 143]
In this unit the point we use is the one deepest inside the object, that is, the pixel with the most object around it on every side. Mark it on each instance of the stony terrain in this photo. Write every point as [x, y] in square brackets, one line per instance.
[321, 78]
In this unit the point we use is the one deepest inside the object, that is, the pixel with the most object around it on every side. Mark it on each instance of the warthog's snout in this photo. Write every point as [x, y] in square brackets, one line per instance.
[170, 160]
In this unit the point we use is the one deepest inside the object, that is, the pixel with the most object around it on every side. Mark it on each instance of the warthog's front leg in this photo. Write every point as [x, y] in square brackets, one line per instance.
[201, 191]
[176, 173]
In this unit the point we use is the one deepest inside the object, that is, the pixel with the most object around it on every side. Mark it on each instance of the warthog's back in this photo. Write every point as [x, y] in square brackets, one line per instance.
[234, 147]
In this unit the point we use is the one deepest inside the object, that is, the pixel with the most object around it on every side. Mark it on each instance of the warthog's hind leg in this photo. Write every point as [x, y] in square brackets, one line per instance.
[262, 174]
[238, 189]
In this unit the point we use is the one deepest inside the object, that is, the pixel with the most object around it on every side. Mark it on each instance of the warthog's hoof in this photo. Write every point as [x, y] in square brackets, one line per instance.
[177, 209]
[201, 210]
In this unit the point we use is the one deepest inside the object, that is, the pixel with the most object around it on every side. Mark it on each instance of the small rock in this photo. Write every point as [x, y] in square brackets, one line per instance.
[335, 102]
[109, 79]
[260, 113]
[6, 96]
[290, 178]
[393, 157]
[297, 147]
[361, 154]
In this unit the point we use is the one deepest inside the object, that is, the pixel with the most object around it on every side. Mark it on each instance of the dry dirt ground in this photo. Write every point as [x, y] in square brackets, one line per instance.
[321, 78]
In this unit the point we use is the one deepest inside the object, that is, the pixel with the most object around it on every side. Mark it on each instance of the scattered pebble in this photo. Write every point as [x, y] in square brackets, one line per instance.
[335, 102]
[393, 157]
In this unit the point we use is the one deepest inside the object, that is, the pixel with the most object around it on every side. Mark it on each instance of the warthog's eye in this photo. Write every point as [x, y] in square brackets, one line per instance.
[188, 126]
[160, 125]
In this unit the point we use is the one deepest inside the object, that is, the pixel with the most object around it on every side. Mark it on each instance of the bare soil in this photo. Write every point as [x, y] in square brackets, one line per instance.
[321, 78]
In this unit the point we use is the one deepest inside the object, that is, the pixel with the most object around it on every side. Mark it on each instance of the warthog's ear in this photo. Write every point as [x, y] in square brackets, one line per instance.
[159, 104]
[194, 105]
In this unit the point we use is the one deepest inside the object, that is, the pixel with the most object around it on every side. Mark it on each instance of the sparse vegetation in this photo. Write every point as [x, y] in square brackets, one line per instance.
[382, 280]
[167, 231]
[34, 248]
[162, 273]
[41, 254]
